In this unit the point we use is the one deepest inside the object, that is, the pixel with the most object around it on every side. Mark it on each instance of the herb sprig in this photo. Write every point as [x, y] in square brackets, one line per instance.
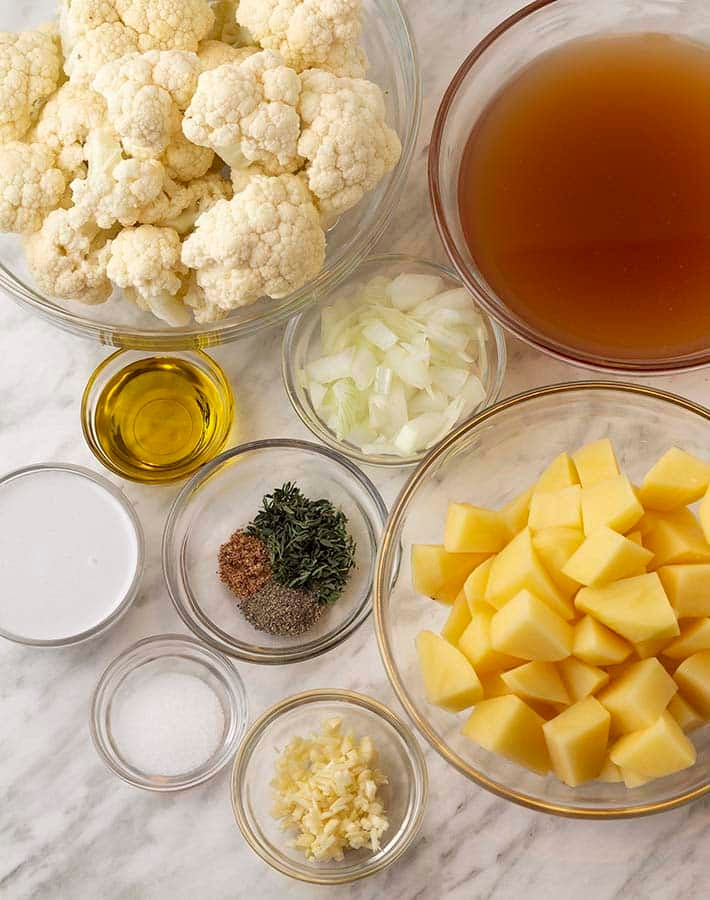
[308, 542]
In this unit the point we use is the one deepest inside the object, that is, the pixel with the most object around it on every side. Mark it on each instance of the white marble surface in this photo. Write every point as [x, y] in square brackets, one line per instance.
[70, 830]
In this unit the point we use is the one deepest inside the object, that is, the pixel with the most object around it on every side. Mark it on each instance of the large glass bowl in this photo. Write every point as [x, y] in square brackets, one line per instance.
[388, 42]
[487, 461]
[510, 47]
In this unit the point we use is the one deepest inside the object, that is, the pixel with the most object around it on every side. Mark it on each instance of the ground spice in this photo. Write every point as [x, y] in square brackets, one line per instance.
[280, 610]
[244, 564]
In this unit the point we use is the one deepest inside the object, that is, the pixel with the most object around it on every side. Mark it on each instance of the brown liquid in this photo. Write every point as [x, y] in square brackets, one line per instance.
[584, 196]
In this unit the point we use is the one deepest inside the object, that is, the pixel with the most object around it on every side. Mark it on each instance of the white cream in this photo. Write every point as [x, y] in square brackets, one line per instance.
[68, 554]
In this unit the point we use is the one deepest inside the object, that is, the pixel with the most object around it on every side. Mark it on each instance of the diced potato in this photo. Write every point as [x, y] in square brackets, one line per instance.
[677, 479]
[449, 678]
[650, 519]
[493, 685]
[606, 556]
[684, 714]
[612, 503]
[471, 529]
[610, 773]
[636, 608]
[475, 585]
[636, 537]
[694, 637]
[704, 515]
[597, 645]
[693, 679]
[676, 540]
[518, 568]
[550, 509]
[527, 628]
[475, 644]
[633, 779]
[457, 621]
[440, 575]
[559, 474]
[581, 679]
[508, 726]
[537, 681]
[596, 462]
[554, 546]
[576, 741]
[655, 751]
[515, 512]
[645, 649]
[688, 589]
[638, 697]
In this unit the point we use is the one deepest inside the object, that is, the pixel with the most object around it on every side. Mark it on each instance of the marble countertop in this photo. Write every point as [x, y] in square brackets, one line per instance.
[70, 830]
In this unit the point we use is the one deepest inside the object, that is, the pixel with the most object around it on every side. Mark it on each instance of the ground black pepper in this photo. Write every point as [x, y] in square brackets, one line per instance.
[280, 610]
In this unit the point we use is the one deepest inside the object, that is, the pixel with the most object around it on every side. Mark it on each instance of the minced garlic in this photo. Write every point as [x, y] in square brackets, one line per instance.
[325, 788]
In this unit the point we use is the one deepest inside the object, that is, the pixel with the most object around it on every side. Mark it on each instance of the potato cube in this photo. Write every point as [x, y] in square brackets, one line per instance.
[561, 508]
[684, 714]
[677, 479]
[612, 503]
[610, 773]
[597, 645]
[596, 462]
[688, 589]
[581, 679]
[493, 685]
[676, 540]
[471, 529]
[576, 741]
[554, 546]
[693, 679]
[559, 474]
[515, 512]
[475, 585]
[475, 644]
[638, 697]
[508, 726]
[537, 681]
[449, 678]
[650, 519]
[457, 621]
[518, 568]
[655, 751]
[694, 637]
[645, 649]
[606, 556]
[527, 628]
[636, 608]
[440, 575]
[704, 515]
[633, 779]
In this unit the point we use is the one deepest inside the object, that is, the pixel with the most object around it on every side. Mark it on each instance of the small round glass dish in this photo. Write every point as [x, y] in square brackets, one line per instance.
[223, 497]
[399, 758]
[488, 461]
[156, 418]
[301, 342]
[128, 677]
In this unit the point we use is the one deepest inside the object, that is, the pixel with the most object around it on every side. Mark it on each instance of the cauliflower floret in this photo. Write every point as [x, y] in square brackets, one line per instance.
[199, 196]
[348, 145]
[266, 241]
[225, 28]
[31, 186]
[145, 263]
[309, 33]
[167, 24]
[145, 95]
[65, 122]
[185, 161]
[216, 53]
[246, 112]
[94, 49]
[67, 262]
[30, 69]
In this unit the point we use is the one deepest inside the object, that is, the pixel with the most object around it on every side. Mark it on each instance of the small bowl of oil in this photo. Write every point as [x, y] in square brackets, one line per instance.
[157, 418]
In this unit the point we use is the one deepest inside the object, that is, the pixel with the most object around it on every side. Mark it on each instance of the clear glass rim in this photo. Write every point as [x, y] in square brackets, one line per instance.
[473, 279]
[289, 373]
[382, 586]
[118, 495]
[419, 788]
[94, 387]
[128, 661]
[172, 570]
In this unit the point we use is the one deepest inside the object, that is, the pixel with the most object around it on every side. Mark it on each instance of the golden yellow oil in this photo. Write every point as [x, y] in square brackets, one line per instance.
[162, 417]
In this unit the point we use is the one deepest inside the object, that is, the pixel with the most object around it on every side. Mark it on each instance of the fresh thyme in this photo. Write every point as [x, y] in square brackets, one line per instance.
[307, 540]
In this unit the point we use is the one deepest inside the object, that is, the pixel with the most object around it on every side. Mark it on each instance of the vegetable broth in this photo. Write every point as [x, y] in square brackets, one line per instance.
[584, 196]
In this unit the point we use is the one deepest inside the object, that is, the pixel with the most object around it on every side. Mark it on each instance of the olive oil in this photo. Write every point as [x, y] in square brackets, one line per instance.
[160, 418]
[584, 197]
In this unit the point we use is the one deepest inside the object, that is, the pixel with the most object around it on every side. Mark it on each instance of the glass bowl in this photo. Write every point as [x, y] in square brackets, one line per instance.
[219, 409]
[225, 495]
[388, 42]
[400, 759]
[510, 47]
[301, 343]
[132, 669]
[488, 461]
